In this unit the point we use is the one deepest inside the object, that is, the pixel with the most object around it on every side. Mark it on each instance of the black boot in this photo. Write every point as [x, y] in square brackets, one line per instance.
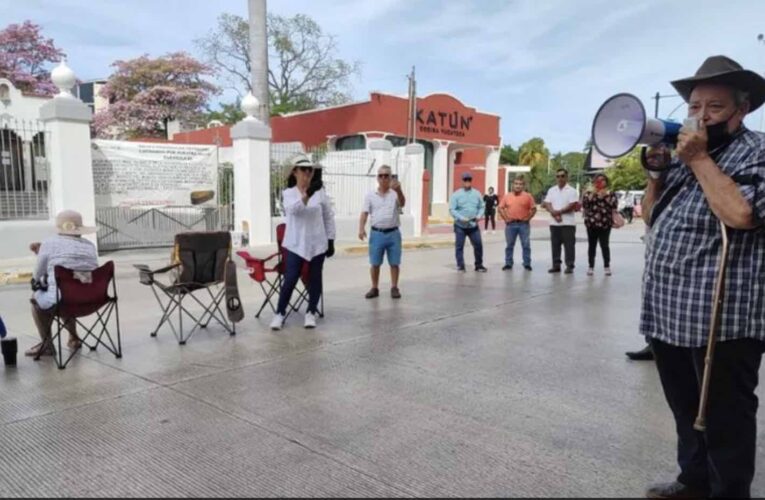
[645, 354]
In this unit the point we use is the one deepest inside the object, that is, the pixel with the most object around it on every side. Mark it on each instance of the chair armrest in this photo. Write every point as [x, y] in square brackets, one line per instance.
[249, 258]
[146, 275]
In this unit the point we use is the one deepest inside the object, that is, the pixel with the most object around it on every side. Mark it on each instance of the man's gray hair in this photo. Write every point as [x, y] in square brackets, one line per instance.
[740, 97]
[384, 168]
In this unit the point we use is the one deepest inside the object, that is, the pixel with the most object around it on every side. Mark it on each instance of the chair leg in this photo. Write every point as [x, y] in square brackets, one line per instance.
[60, 352]
[181, 341]
[118, 355]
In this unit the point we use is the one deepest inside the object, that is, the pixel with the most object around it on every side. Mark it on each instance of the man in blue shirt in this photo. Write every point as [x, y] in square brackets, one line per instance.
[466, 207]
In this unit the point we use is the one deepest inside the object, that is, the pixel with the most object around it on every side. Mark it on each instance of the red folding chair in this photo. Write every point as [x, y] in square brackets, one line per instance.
[259, 270]
[81, 294]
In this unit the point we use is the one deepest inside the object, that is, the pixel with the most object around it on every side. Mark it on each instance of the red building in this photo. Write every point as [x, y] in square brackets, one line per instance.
[456, 138]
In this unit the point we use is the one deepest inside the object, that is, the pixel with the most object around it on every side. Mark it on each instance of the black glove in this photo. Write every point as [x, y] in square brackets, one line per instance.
[313, 187]
[330, 248]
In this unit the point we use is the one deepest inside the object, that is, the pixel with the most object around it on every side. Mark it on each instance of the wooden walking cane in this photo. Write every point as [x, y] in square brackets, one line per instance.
[700, 424]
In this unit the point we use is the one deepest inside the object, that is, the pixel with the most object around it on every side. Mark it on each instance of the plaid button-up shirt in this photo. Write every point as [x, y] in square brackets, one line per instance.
[683, 251]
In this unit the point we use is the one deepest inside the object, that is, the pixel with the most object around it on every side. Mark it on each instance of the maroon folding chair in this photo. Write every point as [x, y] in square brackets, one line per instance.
[259, 270]
[81, 294]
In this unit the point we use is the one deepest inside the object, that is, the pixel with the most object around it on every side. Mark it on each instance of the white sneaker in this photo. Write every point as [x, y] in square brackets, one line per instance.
[277, 323]
[590, 272]
[608, 271]
[310, 320]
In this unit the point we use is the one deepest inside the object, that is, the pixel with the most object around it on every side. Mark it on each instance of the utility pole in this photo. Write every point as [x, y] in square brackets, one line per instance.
[411, 131]
[259, 56]
[658, 97]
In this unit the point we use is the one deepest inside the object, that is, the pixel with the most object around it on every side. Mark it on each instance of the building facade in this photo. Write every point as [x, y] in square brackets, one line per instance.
[456, 138]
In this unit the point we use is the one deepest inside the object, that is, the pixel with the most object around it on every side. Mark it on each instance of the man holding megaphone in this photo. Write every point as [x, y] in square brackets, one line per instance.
[704, 277]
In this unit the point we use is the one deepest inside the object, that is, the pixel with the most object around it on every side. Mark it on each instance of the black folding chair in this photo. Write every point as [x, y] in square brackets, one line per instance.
[81, 294]
[198, 268]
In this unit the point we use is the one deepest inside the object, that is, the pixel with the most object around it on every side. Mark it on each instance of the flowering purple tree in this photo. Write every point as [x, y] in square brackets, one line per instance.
[24, 57]
[146, 94]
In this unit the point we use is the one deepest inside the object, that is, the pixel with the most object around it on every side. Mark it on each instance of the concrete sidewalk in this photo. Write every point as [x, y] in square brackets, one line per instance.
[499, 384]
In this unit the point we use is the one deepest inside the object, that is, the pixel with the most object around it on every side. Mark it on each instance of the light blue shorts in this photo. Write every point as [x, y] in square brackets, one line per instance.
[381, 244]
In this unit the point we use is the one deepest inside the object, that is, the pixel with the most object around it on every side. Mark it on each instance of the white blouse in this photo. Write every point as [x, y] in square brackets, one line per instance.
[310, 225]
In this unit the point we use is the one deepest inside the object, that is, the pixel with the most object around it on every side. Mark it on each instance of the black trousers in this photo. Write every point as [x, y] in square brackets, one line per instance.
[595, 236]
[566, 236]
[720, 460]
[490, 216]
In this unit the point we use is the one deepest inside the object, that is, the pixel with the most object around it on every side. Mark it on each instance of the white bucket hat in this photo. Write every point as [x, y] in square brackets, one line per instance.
[69, 223]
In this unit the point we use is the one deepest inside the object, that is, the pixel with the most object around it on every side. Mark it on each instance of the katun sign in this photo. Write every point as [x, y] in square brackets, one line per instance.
[441, 122]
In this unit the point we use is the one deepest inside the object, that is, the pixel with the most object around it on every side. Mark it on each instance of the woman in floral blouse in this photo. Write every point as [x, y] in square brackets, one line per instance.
[599, 206]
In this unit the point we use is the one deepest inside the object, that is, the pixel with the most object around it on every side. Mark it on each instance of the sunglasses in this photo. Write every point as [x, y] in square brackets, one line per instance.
[383, 176]
[561, 176]
[307, 170]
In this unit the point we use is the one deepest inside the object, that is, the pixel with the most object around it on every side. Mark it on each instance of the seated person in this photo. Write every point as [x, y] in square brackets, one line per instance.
[67, 249]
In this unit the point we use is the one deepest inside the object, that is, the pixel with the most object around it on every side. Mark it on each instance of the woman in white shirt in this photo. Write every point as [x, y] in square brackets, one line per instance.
[309, 237]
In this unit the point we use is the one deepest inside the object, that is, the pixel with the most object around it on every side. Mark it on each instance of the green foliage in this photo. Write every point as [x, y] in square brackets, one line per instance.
[508, 155]
[535, 154]
[628, 173]
[229, 114]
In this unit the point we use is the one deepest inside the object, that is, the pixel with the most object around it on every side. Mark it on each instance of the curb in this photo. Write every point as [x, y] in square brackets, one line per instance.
[14, 278]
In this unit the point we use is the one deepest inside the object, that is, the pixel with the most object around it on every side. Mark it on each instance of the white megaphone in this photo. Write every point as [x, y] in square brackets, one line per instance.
[621, 124]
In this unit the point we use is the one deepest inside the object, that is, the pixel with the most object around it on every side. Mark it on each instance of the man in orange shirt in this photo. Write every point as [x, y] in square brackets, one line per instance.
[516, 209]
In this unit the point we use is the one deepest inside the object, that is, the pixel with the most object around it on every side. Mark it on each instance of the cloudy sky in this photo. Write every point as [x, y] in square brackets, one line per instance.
[543, 65]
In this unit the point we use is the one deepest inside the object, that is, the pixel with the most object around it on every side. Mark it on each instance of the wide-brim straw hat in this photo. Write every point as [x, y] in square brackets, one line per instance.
[299, 160]
[725, 71]
[69, 223]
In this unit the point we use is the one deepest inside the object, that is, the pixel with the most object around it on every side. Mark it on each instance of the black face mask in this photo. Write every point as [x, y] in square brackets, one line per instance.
[718, 135]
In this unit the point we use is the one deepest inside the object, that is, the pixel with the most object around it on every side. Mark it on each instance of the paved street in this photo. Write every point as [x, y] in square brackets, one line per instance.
[503, 384]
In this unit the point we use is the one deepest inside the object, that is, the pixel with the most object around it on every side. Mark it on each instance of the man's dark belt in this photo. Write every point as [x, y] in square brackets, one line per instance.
[388, 230]
[515, 221]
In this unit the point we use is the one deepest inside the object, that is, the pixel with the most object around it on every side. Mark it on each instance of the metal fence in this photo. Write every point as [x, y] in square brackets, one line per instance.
[347, 175]
[226, 187]
[23, 169]
[144, 227]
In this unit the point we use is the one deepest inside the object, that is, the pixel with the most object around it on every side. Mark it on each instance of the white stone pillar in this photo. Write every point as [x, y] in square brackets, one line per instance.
[492, 169]
[67, 120]
[440, 180]
[252, 175]
[381, 151]
[415, 153]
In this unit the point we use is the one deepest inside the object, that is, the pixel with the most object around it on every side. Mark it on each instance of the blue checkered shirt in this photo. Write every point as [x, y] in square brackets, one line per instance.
[684, 247]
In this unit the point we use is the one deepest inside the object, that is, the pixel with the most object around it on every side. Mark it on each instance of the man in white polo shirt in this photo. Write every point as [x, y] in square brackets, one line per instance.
[561, 201]
[382, 207]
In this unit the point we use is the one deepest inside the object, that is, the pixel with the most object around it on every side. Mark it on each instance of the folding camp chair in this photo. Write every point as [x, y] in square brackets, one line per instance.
[199, 264]
[260, 269]
[81, 294]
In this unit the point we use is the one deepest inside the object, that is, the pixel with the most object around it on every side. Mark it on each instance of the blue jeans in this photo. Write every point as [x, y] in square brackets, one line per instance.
[512, 231]
[474, 233]
[293, 268]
